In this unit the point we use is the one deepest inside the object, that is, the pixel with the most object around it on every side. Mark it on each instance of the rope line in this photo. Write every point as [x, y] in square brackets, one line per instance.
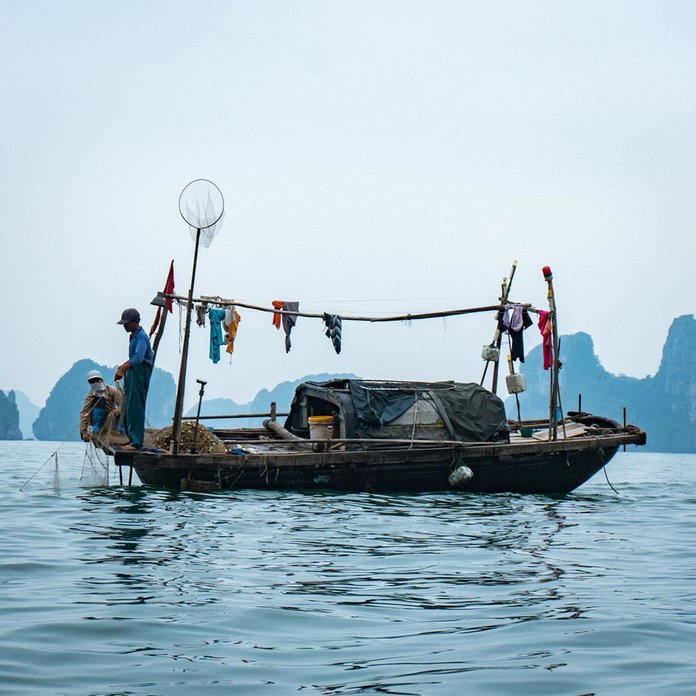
[604, 468]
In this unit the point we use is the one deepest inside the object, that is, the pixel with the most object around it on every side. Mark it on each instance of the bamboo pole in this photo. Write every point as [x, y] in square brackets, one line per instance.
[498, 336]
[163, 318]
[511, 369]
[498, 342]
[159, 334]
[204, 299]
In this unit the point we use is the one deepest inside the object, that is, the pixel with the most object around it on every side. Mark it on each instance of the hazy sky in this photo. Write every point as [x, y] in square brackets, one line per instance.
[375, 157]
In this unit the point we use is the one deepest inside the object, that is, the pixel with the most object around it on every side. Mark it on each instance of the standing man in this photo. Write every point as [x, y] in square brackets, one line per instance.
[137, 369]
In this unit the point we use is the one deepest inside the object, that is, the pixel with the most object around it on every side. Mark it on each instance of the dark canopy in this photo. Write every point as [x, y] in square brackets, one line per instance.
[389, 409]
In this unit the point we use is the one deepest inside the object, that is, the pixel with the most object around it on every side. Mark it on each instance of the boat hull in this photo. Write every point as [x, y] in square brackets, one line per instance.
[547, 468]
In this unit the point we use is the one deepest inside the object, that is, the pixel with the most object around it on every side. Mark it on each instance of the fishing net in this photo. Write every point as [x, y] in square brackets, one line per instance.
[206, 442]
[95, 467]
[202, 206]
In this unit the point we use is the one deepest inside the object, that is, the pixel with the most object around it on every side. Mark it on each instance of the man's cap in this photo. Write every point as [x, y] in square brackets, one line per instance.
[94, 374]
[129, 314]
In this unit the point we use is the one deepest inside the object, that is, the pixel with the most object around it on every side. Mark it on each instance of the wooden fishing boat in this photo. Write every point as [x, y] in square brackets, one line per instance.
[356, 435]
[411, 436]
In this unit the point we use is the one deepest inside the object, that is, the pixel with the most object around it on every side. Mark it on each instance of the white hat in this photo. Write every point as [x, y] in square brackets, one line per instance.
[94, 374]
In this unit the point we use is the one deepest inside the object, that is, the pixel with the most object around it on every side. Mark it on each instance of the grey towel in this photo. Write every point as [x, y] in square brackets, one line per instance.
[289, 320]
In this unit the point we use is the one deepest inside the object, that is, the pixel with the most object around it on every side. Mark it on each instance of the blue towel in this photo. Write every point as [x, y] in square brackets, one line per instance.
[216, 316]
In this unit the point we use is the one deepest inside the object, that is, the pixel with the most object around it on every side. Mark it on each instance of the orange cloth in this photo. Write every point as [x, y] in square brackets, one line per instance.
[277, 304]
[232, 327]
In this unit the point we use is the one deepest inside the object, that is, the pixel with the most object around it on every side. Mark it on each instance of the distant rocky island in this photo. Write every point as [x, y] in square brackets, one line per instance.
[663, 404]
[9, 417]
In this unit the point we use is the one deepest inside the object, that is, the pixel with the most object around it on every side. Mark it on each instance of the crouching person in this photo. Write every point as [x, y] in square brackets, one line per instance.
[101, 408]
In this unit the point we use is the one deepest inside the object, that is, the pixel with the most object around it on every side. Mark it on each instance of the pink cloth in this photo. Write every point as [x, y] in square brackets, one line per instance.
[547, 338]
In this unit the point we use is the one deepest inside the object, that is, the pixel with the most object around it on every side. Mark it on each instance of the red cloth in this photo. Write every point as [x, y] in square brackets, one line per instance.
[277, 304]
[169, 287]
[547, 338]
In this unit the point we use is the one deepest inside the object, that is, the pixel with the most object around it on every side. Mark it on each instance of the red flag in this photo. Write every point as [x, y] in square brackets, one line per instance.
[169, 287]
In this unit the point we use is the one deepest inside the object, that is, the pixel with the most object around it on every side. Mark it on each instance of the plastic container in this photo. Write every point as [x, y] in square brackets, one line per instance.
[490, 353]
[515, 383]
[460, 476]
[320, 427]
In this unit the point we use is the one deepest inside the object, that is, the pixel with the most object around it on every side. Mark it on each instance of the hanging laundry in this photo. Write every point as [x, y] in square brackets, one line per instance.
[277, 304]
[503, 320]
[333, 330]
[201, 309]
[524, 322]
[512, 321]
[516, 318]
[231, 324]
[514, 324]
[545, 327]
[216, 340]
[289, 320]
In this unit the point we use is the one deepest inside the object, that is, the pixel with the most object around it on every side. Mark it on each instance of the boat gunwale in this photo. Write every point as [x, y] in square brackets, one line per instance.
[465, 450]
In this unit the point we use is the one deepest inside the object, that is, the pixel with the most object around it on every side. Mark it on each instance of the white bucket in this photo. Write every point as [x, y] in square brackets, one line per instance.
[320, 427]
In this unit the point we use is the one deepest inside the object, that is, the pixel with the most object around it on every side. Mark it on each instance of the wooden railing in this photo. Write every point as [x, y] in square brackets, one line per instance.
[272, 414]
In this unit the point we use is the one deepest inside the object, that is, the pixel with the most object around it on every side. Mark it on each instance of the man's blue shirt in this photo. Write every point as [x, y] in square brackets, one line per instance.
[139, 349]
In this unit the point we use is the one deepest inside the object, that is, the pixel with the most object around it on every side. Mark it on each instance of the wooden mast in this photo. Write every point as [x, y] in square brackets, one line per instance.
[498, 336]
[555, 362]
[181, 386]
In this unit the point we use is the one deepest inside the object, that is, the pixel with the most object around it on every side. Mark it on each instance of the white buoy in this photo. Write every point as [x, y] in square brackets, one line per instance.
[460, 476]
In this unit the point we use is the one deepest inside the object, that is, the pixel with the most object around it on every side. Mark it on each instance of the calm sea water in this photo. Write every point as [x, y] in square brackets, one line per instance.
[117, 590]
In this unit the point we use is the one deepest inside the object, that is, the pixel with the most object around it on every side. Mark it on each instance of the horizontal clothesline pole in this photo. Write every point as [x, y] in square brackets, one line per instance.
[402, 317]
